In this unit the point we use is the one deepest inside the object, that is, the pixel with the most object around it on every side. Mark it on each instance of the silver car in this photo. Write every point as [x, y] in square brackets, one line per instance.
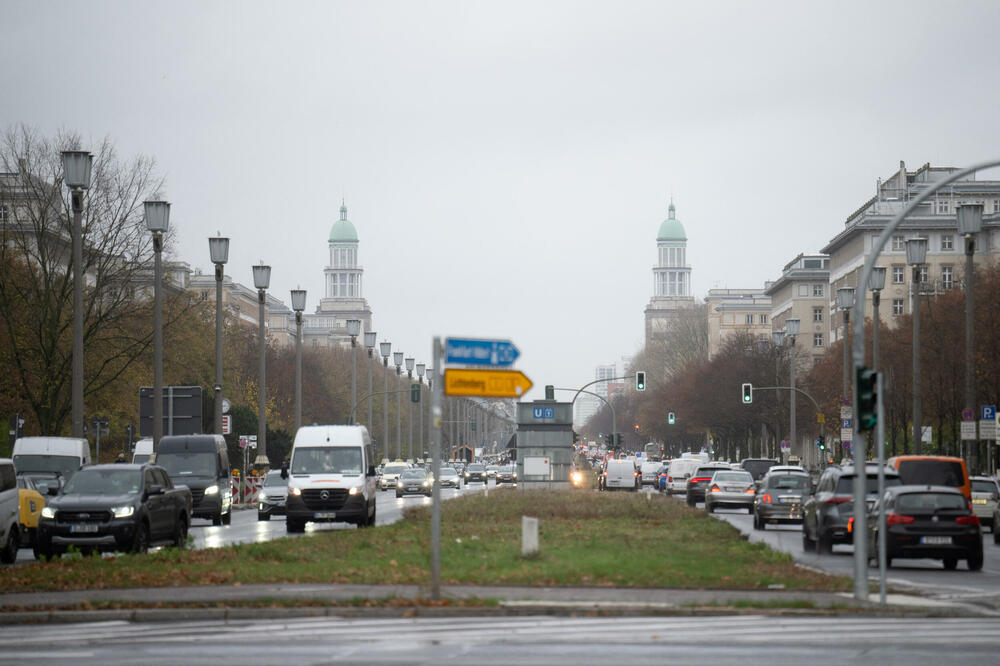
[730, 488]
[985, 493]
[272, 496]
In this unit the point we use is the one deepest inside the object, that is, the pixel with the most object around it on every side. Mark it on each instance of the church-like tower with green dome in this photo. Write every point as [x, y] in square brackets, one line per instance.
[671, 276]
[343, 296]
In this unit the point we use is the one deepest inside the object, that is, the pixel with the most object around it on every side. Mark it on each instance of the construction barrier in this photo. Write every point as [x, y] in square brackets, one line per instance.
[249, 494]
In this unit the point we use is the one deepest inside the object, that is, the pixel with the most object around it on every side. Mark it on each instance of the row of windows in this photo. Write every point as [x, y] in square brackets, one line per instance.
[946, 243]
[947, 275]
[672, 283]
[818, 290]
[344, 257]
[672, 256]
[761, 319]
[943, 206]
[344, 285]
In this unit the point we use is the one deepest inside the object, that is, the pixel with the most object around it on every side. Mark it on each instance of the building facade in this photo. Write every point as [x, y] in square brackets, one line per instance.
[732, 311]
[802, 292]
[671, 277]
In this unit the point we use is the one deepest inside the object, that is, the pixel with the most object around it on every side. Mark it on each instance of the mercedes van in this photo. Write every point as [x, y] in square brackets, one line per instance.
[200, 462]
[331, 477]
[64, 455]
[143, 451]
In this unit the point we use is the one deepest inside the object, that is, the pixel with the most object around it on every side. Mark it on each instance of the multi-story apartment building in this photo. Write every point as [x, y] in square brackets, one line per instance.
[934, 219]
[732, 311]
[802, 292]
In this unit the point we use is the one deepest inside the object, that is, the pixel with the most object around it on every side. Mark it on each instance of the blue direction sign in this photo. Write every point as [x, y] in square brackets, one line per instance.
[989, 413]
[480, 352]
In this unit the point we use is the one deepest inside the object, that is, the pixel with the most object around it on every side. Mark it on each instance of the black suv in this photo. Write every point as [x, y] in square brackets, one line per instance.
[826, 513]
[700, 479]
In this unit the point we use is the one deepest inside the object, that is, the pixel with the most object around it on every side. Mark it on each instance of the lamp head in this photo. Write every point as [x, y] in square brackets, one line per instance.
[353, 327]
[778, 338]
[370, 339]
[218, 247]
[845, 298]
[397, 358]
[409, 364]
[76, 168]
[916, 251]
[385, 348]
[420, 369]
[261, 276]
[876, 281]
[792, 327]
[157, 216]
[298, 299]
[970, 219]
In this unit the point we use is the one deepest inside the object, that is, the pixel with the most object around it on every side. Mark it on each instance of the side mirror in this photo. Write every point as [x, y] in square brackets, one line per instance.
[154, 489]
[52, 491]
[284, 473]
[371, 470]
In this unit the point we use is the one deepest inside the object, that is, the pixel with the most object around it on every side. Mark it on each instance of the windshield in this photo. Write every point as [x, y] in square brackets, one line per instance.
[42, 483]
[394, 469]
[140, 458]
[845, 484]
[187, 463]
[104, 482]
[448, 471]
[742, 477]
[984, 487]
[413, 474]
[327, 460]
[65, 465]
[757, 468]
[930, 502]
[788, 482]
[275, 480]
[476, 468]
[931, 473]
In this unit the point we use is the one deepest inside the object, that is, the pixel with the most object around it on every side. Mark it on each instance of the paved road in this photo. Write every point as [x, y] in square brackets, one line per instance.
[245, 527]
[924, 576]
[513, 640]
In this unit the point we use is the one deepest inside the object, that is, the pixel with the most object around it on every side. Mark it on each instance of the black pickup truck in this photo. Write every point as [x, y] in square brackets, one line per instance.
[114, 508]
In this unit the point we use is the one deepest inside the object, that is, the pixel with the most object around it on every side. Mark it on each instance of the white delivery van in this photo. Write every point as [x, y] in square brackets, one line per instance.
[681, 470]
[331, 477]
[143, 451]
[51, 454]
[620, 474]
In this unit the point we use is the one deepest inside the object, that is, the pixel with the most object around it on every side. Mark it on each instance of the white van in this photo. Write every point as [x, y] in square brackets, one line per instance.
[331, 477]
[51, 454]
[681, 470]
[620, 474]
[143, 451]
[10, 512]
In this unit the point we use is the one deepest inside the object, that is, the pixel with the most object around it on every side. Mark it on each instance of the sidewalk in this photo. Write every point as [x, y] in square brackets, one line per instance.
[44, 606]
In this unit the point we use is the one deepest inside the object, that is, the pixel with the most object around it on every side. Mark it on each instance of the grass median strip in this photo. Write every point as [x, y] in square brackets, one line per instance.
[586, 539]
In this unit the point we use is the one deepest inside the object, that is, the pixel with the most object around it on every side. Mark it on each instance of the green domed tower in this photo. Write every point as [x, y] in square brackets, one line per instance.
[343, 297]
[671, 275]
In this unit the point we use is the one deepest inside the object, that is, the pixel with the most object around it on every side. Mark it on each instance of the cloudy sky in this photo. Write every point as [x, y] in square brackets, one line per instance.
[507, 164]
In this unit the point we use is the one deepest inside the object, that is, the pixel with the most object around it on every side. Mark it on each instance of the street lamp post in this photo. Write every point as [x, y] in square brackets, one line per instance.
[261, 280]
[218, 249]
[386, 349]
[916, 255]
[430, 421]
[778, 338]
[370, 338]
[76, 175]
[157, 221]
[421, 367]
[354, 330]
[409, 421]
[845, 301]
[298, 305]
[970, 223]
[876, 283]
[397, 360]
[792, 330]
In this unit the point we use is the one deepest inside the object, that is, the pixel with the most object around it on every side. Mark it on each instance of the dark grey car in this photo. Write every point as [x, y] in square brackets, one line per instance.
[827, 512]
[780, 498]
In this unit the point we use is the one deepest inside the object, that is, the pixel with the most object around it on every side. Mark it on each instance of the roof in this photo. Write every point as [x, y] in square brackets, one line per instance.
[671, 228]
[343, 230]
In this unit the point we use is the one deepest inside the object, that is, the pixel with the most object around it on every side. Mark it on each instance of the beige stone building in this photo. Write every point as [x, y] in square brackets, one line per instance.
[732, 311]
[803, 292]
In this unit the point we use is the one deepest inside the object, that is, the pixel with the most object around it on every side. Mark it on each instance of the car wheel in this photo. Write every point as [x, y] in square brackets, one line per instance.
[9, 553]
[398, 495]
[217, 519]
[690, 501]
[371, 519]
[227, 518]
[263, 516]
[975, 561]
[825, 543]
[950, 563]
[808, 545]
[180, 533]
[292, 526]
[996, 535]
[141, 542]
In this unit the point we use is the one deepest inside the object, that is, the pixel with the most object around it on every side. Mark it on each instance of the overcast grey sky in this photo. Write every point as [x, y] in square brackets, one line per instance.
[508, 164]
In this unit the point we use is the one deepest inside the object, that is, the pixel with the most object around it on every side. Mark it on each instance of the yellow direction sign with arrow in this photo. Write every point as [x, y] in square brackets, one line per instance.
[485, 383]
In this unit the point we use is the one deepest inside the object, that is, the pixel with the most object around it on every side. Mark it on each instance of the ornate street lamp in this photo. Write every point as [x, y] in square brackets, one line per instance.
[261, 280]
[409, 422]
[218, 249]
[397, 360]
[76, 175]
[298, 305]
[354, 330]
[386, 349]
[916, 255]
[970, 223]
[420, 407]
[157, 221]
[792, 330]
[370, 340]
[845, 301]
[876, 283]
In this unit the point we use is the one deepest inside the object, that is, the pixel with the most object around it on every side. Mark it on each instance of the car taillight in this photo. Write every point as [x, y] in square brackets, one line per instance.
[766, 498]
[750, 490]
[701, 479]
[897, 519]
[967, 520]
[716, 489]
[850, 524]
[837, 500]
[670, 479]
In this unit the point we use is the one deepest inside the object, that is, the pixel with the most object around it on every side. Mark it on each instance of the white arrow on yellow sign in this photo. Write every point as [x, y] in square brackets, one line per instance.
[485, 383]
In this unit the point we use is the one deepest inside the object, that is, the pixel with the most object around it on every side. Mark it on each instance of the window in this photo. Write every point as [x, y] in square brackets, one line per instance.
[3, 214]
[817, 339]
[817, 314]
[803, 290]
[898, 274]
[996, 205]
[947, 277]
[750, 319]
[898, 244]
[943, 207]
[922, 274]
[763, 319]
[947, 243]
[818, 290]
[897, 307]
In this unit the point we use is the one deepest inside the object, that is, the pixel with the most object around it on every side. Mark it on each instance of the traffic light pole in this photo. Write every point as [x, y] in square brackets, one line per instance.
[822, 424]
[614, 417]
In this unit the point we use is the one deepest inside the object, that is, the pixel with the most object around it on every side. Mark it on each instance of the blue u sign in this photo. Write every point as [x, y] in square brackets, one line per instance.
[543, 412]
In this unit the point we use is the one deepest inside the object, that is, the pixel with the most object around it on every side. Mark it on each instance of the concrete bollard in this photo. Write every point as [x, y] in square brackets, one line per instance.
[529, 536]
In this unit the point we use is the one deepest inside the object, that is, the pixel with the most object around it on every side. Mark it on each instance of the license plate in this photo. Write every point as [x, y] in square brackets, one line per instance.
[325, 514]
[733, 489]
[979, 501]
[936, 540]
[788, 500]
[82, 528]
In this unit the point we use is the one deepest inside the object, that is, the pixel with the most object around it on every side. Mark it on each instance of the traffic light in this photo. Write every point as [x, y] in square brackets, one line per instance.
[747, 394]
[867, 392]
[414, 392]
[640, 381]
[821, 442]
[671, 419]
[637, 427]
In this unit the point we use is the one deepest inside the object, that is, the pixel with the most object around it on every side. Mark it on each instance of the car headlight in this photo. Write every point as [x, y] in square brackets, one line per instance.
[295, 491]
[426, 483]
[399, 484]
[354, 490]
[48, 512]
[123, 511]
[212, 490]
